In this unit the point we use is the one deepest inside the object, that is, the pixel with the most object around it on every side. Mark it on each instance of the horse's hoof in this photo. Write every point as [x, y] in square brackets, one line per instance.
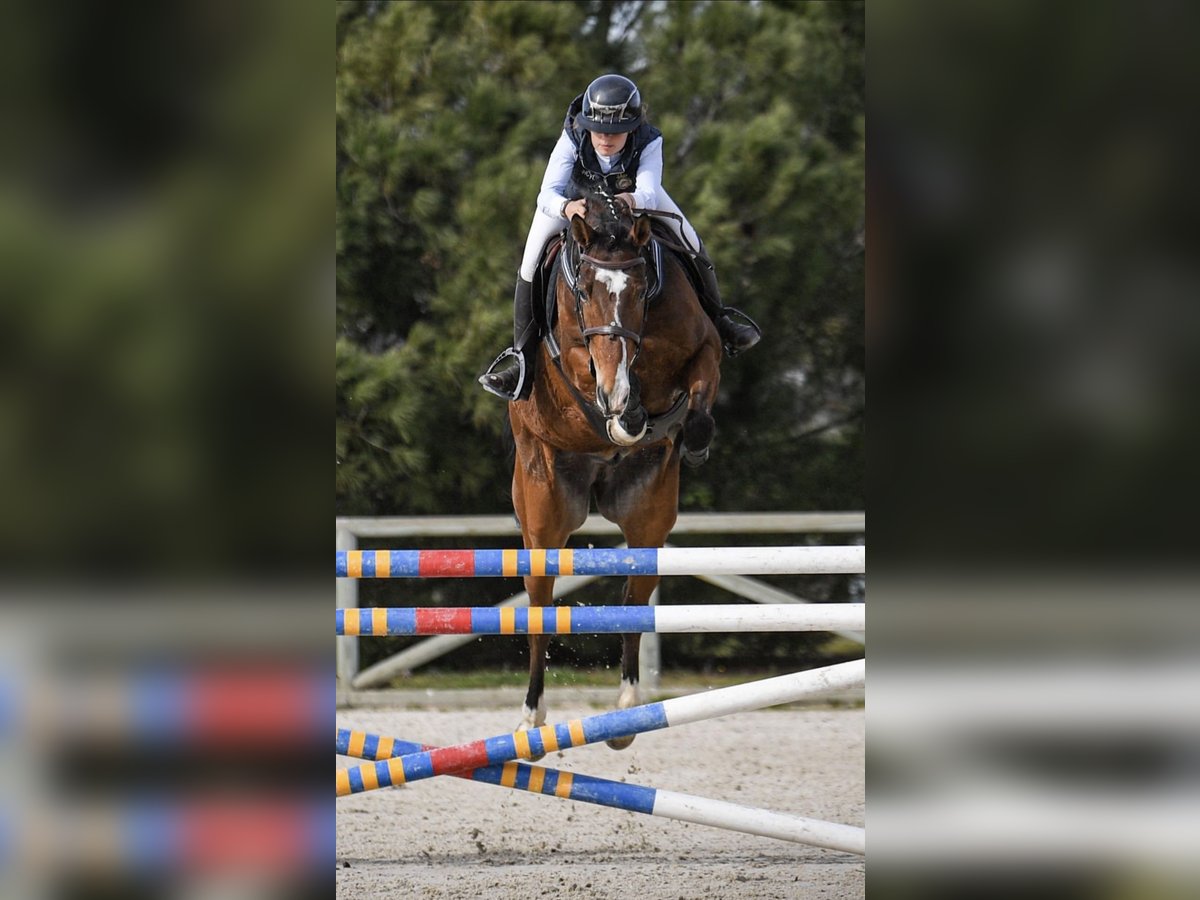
[526, 725]
[531, 720]
[628, 697]
[695, 459]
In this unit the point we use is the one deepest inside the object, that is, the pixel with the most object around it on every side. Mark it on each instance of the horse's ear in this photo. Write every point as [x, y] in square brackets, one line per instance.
[580, 231]
[640, 231]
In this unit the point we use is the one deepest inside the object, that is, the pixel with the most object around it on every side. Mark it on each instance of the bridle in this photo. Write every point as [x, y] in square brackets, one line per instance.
[612, 329]
[571, 259]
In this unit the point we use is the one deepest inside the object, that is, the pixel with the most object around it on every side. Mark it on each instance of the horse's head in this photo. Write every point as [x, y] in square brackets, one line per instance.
[610, 298]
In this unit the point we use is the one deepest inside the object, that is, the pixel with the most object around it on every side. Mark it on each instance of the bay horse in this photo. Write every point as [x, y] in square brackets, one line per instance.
[623, 388]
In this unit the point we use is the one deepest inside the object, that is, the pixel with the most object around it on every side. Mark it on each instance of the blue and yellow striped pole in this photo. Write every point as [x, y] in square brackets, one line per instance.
[379, 621]
[601, 561]
[536, 742]
[519, 776]
[619, 795]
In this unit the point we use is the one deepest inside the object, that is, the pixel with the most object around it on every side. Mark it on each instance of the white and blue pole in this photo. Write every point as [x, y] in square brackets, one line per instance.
[631, 797]
[536, 742]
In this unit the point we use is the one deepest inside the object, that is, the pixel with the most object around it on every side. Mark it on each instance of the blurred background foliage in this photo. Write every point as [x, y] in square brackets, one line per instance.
[446, 114]
[164, 239]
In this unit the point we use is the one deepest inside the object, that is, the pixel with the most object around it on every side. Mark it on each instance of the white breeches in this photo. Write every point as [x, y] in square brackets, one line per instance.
[544, 227]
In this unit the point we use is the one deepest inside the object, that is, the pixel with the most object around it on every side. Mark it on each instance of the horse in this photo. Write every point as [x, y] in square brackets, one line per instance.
[623, 389]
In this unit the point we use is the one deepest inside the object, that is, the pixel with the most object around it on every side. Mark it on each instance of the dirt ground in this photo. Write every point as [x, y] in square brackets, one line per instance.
[449, 838]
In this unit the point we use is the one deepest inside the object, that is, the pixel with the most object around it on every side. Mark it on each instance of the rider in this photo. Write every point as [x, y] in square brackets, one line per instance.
[606, 142]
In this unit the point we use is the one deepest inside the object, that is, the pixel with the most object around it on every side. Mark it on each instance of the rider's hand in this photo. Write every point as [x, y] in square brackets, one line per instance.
[629, 201]
[575, 208]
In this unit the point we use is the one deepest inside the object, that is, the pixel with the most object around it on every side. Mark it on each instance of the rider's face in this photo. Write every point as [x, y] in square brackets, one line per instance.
[609, 144]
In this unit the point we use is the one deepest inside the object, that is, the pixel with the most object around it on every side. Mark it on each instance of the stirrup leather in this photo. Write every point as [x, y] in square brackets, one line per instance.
[520, 358]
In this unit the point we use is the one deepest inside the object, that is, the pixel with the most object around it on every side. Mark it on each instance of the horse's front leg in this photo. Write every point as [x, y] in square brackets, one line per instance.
[549, 510]
[533, 711]
[704, 377]
[638, 589]
[647, 524]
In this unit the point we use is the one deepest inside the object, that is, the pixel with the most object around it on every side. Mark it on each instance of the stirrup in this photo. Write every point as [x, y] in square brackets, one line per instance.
[491, 370]
[728, 313]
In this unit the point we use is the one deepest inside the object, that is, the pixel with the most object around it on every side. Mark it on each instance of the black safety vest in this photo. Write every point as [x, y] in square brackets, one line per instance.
[587, 175]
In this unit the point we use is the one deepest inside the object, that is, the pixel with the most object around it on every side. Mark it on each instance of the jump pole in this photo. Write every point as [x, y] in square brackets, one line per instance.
[630, 797]
[380, 621]
[618, 561]
[536, 742]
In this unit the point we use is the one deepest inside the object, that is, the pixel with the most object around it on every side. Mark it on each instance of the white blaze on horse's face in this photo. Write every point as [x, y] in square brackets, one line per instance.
[615, 280]
[620, 392]
[616, 390]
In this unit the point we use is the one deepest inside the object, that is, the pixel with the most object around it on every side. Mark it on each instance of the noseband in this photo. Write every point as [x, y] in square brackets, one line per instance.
[612, 329]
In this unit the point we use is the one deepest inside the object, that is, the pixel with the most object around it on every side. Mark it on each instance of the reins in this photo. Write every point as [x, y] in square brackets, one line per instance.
[683, 245]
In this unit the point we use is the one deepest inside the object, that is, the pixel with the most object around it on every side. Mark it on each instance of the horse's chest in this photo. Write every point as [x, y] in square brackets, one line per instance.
[617, 469]
[632, 482]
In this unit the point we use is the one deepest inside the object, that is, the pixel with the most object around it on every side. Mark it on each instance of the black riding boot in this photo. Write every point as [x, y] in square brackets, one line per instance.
[510, 376]
[736, 337]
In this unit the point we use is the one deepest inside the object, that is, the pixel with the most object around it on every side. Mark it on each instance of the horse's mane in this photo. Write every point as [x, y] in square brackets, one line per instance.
[608, 216]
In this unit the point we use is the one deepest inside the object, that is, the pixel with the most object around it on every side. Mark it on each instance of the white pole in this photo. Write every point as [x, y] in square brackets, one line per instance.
[850, 559]
[760, 694]
[760, 592]
[730, 816]
[650, 653]
[735, 618]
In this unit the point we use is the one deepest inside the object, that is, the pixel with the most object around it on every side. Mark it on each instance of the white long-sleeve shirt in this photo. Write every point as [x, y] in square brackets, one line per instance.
[562, 161]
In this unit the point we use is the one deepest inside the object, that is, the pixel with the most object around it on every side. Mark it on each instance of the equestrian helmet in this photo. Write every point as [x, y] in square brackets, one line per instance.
[611, 104]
